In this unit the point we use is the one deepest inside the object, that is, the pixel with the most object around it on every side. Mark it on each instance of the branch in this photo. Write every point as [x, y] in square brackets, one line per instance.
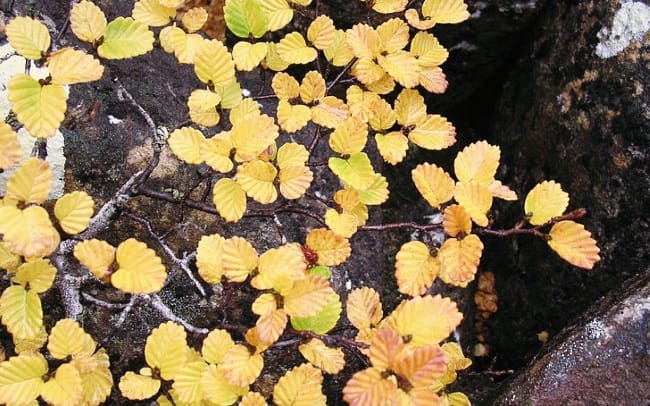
[158, 304]
[536, 231]
[397, 226]
[340, 75]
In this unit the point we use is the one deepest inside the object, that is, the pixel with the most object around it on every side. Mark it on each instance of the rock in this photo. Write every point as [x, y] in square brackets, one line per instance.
[601, 360]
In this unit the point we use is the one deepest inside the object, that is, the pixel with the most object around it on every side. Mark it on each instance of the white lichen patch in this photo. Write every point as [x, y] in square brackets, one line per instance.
[630, 23]
[10, 64]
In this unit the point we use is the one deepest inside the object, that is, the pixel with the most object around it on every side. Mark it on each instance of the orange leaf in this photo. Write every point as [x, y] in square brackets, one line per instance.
[457, 221]
[368, 387]
[433, 183]
[307, 296]
[240, 367]
[302, 386]
[385, 348]
[330, 360]
[574, 244]
[364, 308]
[271, 325]
[459, 260]
[422, 366]
[332, 249]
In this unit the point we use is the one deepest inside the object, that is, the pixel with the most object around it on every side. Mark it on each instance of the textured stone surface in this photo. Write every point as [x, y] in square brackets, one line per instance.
[601, 360]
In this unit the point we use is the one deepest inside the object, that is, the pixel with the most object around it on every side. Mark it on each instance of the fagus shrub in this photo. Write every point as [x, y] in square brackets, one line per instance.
[384, 69]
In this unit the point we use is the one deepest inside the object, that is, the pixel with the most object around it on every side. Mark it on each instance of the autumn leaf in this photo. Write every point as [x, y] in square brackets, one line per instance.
[574, 244]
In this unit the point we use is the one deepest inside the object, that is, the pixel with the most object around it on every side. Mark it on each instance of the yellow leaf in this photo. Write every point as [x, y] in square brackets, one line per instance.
[171, 3]
[247, 56]
[363, 41]
[545, 201]
[33, 344]
[40, 108]
[216, 152]
[28, 37]
[138, 387]
[330, 111]
[415, 268]
[478, 162]
[279, 13]
[394, 35]
[409, 107]
[376, 193]
[244, 17]
[21, 311]
[214, 64]
[362, 104]
[501, 191]
[307, 296]
[367, 71]
[185, 143]
[8, 260]
[338, 53]
[433, 183]
[357, 170]
[266, 302]
[68, 66]
[427, 49]
[457, 221]
[208, 258]
[350, 137]
[321, 32]
[64, 389]
[230, 199]
[10, 150]
[433, 80]
[459, 260]
[384, 117]
[252, 399]
[273, 60]
[166, 349]
[476, 199]
[401, 66]
[21, 378]
[456, 399]
[194, 19]
[152, 13]
[426, 319]
[239, 259]
[323, 321]
[28, 232]
[270, 326]
[252, 136]
[240, 367]
[203, 108]
[364, 308]
[243, 111]
[31, 182]
[215, 345]
[125, 38]
[96, 255]
[188, 385]
[293, 49]
[312, 87]
[278, 269]
[68, 338]
[328, 359]
[383, 85]
[217, 389]
[285, 86]
[230, 93]
[343, 224]
[301, 386]
[445, 11]
[392, 146]
[389, 6]
[433, 132]
[140, 269]
[37, 275]
[368, 387]
[331, 248]
[184, 46]
[98, 382]
[574, 244]
[87, 21]
[256, 178]
[292, 118]
[74, 210]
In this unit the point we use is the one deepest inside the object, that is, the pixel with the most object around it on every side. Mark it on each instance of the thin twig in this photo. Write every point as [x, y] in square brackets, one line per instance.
[101, 303]
[397, 226]
[158, 304]
[340, 75]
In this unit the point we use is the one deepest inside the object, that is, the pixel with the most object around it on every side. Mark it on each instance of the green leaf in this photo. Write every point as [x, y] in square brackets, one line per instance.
[356, 170]
[244, 17]
[321, 270]
[323, 321]
[125, 38]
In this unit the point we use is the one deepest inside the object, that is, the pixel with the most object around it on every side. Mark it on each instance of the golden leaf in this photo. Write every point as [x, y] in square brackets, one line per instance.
[545, 201]
[445, 11]
[361, 103]
[426, 319]
[384, 85]
[330, 111]
[68, 66]
[194, 19]
[188, 385]
[415, 268]
[74, 210]
[294, 50]
[321, 32]
[256, 178]
[28, 232]
[125, 38]
[229, 199]
[394, 35]
[285, 86]
[40, 108]
[240, 367]
[376, 193]
[87, 21]
[96, 255]
[350, 137]
[476, 199]
[96, 381]
[385, 348]
[312, 87]
[428, 50]
[138, 387]
[215, 345]
[166, 349]
[10, 150]
[252, 399]
[301, 386]
[459, 260]
[392, 146]
[273, 60]
[401, 66]
[291, 154]
[36, 274]
[8, 260]
[422, 366]
[433, 132]
[21, 378]
[214, 64]
[266, 302]
[501, 191]
[363, 41]
[152, 13]
[184, 46]
[368, 387]
[216, 152]
[239, 259]
[324, 320]
[247, 56]
[433, 80]
[433, 183]
[574, 244]
[279, 268]
[330, 360]
[307, 296]
[140, 269]
[31, 182]
[28, 37]
[409, 107]
[279, 13]
[343, 224]
[457, 221]
[364, 308]
[253, 136]
[367, 70]
[67, 338]
[292, 118]
[203, 108]
[389, 6]
[384, 117]
[209, 258]
[478, 162]
[338, 53]
[231, 94]
[21, 311]
[185, 143]
[64, 389]
[217, 389]
[270, 326]
[331, 248]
